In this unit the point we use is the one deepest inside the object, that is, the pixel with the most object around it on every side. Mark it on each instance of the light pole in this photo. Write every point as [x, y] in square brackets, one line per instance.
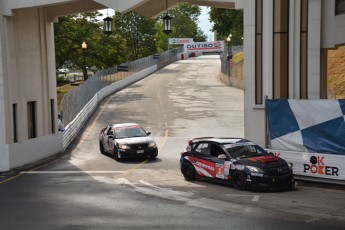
[84, 46]
[228, 39]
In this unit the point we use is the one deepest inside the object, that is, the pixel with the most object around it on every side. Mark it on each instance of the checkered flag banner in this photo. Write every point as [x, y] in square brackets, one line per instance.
[307, 125]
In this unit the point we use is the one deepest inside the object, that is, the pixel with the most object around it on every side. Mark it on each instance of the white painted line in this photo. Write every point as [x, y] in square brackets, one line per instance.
[312, 220]
[255, 198]
[71, 172]
[153, 186]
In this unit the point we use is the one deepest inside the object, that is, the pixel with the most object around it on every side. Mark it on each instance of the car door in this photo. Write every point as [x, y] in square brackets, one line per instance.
[202, 160]
[109, 140]
[221, 161]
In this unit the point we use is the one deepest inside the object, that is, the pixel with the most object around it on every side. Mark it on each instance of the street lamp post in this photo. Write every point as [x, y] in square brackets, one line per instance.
[228, 39]
[84, 46]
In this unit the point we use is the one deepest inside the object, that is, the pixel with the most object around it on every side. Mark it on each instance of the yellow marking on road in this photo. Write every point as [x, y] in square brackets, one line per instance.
[11, 178]
[135, 167]
[93, 124]
[166, 135]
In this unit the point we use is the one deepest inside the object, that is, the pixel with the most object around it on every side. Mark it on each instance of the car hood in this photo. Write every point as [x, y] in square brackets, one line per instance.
[263, 162]
[134, 140]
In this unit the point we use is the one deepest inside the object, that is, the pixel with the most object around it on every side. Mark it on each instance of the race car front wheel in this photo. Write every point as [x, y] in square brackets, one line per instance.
[188, 171]
[239, 180]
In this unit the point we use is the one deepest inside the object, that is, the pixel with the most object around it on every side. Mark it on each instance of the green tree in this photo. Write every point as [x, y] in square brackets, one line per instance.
[228, 21]
[138, 33]
[184, 24]
[102, 51]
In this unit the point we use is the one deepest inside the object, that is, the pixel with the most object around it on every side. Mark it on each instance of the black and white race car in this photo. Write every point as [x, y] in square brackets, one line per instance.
[127, 140]
[239, 161]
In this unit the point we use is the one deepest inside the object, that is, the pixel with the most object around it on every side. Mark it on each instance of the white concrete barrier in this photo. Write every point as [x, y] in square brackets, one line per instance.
[73, 128]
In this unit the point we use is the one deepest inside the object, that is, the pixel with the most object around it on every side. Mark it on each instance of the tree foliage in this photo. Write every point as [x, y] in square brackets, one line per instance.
[184, 22]
[102, 51]
[134, 37]
[228, 21]
[138, 32]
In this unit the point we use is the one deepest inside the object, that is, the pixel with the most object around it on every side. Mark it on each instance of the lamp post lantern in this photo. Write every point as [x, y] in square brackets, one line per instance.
[84, 46]
[107, 25]
[167, 24]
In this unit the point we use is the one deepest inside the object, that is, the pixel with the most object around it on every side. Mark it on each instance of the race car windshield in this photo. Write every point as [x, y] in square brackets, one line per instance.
[246, 151]
[129, 132]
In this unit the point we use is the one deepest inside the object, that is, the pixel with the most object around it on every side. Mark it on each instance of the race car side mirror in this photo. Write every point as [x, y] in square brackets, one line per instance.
[148, 133]
[271, 154]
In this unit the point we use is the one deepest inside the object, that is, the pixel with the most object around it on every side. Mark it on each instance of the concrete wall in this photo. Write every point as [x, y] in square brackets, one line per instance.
[27, 74]
[325, 30]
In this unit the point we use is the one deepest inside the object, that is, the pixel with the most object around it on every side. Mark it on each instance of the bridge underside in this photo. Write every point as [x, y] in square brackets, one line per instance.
[152, 8]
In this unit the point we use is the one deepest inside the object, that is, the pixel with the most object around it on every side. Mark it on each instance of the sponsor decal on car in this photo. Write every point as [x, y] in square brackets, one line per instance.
[203, 167]
[257, 174]
[228, 146]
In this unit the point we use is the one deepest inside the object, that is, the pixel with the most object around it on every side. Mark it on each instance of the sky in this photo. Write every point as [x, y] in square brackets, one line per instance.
[203, 23]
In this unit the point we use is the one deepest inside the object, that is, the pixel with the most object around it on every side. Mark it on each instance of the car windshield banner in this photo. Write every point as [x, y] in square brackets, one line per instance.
[217, 46]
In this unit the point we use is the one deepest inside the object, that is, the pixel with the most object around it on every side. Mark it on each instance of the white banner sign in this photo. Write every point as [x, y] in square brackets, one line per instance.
[217, 46]
[326, 166]
[178, 41]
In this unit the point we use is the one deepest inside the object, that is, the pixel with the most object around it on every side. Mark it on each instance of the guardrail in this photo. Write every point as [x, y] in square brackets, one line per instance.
[73, 128]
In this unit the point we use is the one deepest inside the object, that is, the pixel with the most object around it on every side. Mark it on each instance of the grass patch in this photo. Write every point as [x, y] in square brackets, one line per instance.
[61, 91]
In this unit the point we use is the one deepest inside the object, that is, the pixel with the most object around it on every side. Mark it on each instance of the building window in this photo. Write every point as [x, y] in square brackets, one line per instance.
[304, 50]
[15, 132]
[339, 7]
[280, 49]
[258, 53]
[52, 115]
[32, 133]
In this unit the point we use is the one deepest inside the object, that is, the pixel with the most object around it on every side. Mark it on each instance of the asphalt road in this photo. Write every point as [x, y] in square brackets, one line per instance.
[83, 189]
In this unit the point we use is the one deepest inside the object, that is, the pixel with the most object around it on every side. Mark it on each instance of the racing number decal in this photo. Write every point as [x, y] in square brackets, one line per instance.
[220, 171]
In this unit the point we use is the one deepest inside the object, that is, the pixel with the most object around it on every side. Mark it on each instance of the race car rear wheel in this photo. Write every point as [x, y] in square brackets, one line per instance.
[239, 180]
[188, 171]
[101, 147]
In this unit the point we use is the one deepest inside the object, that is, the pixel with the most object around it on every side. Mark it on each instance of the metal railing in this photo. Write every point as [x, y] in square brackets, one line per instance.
[75, 100]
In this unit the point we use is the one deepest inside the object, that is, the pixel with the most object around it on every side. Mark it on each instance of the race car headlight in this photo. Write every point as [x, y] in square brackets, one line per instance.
[152, 144]
[123, 146]
[254, 169]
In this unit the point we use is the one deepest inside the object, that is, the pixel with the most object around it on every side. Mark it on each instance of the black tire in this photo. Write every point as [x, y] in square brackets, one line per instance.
[101, 147]
[239, 180]
[116, 156]
[188, 171]
[154, 156]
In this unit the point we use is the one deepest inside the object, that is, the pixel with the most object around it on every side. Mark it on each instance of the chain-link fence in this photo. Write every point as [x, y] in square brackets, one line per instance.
[230, 68]
[75, 100]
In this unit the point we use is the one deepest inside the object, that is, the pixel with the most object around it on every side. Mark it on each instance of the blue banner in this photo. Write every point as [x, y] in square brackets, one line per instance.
[307, 125]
